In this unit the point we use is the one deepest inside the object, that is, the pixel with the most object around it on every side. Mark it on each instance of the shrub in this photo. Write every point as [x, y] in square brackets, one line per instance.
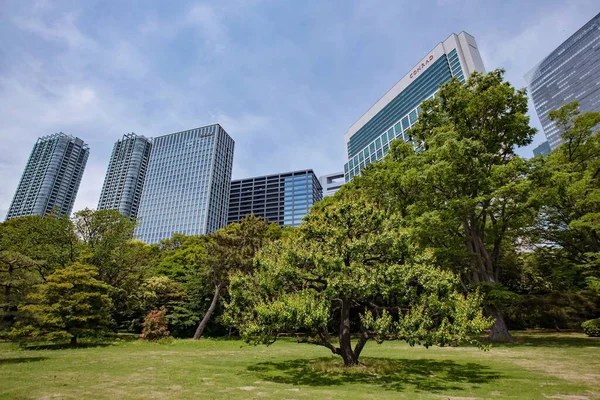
[155, 325]
[592, 327]
[556, 310]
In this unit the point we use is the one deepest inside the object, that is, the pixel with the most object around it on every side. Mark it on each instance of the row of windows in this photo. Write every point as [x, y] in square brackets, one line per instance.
[379, 147]
[51, 177]
[188, 188]
[416, 93]
[405, 101]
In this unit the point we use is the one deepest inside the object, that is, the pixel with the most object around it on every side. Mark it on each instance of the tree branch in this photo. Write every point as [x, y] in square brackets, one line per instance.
[321, 342]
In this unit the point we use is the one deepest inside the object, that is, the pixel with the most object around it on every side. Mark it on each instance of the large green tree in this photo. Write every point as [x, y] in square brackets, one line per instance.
[50, 240]
[124, 263]
[229, 250]
[350, 264]
[17, 275]
[459, 185]
[104, 234]
[30, 249]
[70, 304]
[567, 190]
[204, 263]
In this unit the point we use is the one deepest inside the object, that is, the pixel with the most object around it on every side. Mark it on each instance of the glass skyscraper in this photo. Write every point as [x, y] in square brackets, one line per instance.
[124, 181]
[569, 73]
[283, 199]
[368, 139]
[51, 178]
[187, 184]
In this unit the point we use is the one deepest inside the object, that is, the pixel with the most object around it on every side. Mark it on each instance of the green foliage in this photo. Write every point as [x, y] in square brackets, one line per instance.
[123, 263]
[592, 327]
[460, 186]
[203, 265]
[49, 240]
[70, 304]
[17, 275]
[553, 310]
[30, 249]
[104, 233]
[348, 258]
[182, 255]
[155, 326]
[567, 191]
[162, 292]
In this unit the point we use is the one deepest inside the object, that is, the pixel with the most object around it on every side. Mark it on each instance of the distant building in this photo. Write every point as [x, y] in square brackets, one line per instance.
[283, 199]
[187, 184]
[331, 183]
[368, 139]
[542, 149]
[124, 181]
[51, 178]
[571, 72]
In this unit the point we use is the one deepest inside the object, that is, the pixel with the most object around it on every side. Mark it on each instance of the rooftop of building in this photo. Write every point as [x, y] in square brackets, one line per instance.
[191, 129]
[280, 175]
[62, 134]
[392, 92]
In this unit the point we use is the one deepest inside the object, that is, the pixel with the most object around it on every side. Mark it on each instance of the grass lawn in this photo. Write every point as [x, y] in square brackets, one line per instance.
[538, 366]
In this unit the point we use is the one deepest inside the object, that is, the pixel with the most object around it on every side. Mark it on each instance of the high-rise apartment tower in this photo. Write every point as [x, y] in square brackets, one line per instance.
[283, 199]
[51, 178]
[368, 139]
[571, 72]
[187, 184]
[124, 181]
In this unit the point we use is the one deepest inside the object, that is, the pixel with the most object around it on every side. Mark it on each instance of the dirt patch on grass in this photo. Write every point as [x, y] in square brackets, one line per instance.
[557, 369]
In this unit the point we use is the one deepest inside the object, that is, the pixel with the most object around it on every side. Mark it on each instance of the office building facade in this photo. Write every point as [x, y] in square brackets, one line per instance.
[187, 184]
[368, 139]
[331, 183]
[283, 199]
[124, 181]
[51, 178]
[569, 73]
[542, 149]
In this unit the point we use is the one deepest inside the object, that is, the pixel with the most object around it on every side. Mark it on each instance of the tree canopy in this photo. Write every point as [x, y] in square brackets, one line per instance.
[349, 263]
[70, 304]
[459, 185]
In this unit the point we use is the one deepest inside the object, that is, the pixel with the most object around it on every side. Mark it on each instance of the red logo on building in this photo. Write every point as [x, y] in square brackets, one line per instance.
[421, 67]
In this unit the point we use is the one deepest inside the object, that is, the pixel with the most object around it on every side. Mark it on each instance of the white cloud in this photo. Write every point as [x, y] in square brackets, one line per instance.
[63, 29]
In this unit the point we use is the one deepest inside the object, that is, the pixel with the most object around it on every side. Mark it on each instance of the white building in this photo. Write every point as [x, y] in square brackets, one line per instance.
[368, 139]
[331, 183]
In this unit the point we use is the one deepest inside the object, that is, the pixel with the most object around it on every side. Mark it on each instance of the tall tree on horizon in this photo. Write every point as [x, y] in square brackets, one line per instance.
[567, 190]
[459, 185]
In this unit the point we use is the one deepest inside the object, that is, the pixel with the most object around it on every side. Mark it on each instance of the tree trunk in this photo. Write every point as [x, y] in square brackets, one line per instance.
[346, 352]
[211, 309]
[73, 340]
[499, 331]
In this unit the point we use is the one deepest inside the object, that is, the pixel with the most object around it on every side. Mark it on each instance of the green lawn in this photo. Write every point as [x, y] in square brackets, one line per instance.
[539, 366]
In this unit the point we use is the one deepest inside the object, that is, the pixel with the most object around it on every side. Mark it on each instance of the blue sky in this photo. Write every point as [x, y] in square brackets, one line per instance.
[285, 78]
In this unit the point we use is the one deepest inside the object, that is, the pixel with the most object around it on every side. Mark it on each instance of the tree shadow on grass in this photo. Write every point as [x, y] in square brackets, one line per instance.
[392, 374]
[63, 346]
[546, 339]
[19, 360]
